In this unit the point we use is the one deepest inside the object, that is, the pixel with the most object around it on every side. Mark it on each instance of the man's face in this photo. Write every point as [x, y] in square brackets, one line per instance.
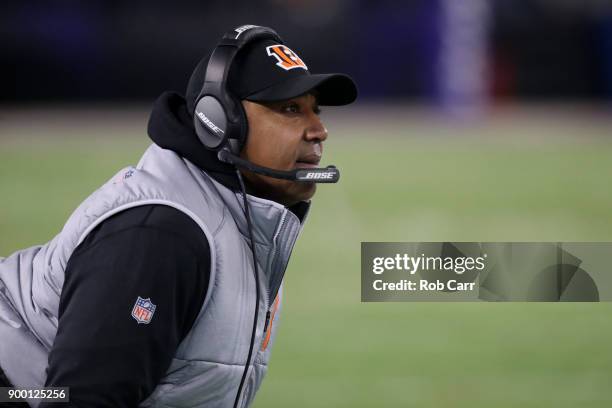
[283, 136]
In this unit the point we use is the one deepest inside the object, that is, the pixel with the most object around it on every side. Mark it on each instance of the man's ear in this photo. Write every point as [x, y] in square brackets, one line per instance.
[249, 109]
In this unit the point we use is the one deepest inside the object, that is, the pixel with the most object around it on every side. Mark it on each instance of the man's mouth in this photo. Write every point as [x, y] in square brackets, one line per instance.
[309, 161]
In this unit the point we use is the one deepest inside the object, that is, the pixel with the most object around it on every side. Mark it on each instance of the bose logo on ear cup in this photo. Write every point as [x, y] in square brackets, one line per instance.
[209, 123]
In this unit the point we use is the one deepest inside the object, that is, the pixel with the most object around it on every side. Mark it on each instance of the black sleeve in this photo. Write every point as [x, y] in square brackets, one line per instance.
[102, 351]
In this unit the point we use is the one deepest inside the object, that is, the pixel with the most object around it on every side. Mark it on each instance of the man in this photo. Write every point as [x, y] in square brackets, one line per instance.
[149, 296]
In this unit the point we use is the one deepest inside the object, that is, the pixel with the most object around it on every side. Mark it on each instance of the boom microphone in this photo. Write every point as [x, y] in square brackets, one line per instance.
[329, 174]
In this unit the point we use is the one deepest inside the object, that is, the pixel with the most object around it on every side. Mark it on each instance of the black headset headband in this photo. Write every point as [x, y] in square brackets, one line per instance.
[223, 55]
[219, 116]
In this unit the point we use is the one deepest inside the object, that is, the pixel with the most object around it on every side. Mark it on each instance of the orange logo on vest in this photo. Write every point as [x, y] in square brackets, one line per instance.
[285, 57]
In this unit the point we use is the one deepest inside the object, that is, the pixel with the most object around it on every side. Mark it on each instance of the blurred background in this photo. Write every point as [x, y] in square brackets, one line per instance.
[484, 120]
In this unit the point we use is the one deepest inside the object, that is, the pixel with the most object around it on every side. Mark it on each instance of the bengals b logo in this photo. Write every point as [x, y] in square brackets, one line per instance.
[285, 57]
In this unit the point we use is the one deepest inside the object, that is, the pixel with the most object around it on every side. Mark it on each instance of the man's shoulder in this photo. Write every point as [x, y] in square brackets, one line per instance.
[150, 219]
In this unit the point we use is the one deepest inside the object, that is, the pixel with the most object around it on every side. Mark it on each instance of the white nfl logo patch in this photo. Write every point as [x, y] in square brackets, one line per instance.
[143, 310]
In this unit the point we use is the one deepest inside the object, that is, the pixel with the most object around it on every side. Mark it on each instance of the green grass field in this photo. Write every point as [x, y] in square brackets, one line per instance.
[508, 179]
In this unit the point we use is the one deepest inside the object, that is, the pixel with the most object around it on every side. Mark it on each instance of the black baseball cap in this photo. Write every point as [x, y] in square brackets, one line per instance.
[268, 71]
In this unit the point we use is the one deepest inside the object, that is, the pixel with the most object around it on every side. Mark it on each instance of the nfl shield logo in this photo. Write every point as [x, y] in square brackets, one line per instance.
[143, 310]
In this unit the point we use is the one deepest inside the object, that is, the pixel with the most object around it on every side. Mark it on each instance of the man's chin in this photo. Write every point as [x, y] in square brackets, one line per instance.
[299, 191]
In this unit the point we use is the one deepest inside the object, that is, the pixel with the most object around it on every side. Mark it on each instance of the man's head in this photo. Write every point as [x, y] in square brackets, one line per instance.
[283, 135]
[281, 99]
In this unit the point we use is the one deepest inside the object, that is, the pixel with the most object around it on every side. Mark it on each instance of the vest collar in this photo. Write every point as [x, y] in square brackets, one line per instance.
[267, 216]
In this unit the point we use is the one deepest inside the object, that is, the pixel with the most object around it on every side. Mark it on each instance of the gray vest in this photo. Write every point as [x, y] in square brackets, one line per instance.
[208, 365]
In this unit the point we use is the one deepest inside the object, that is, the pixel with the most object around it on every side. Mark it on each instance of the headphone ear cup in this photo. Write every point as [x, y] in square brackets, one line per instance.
[210, 122]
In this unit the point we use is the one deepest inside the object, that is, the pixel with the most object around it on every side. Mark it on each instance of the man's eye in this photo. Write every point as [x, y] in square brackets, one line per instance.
[291, 108]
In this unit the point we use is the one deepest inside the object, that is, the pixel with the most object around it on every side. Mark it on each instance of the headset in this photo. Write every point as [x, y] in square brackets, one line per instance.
[220, 120]
[221, 125]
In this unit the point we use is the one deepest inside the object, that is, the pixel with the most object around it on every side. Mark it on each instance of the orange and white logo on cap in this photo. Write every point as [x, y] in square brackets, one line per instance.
[285, 57]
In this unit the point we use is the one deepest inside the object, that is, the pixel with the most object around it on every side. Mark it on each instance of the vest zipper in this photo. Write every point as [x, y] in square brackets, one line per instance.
[267, 320]
[275, 280]
[271, 289]
[267, 334]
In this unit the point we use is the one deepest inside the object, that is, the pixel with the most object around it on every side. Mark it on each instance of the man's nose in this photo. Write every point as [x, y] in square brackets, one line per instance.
[315, 132]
